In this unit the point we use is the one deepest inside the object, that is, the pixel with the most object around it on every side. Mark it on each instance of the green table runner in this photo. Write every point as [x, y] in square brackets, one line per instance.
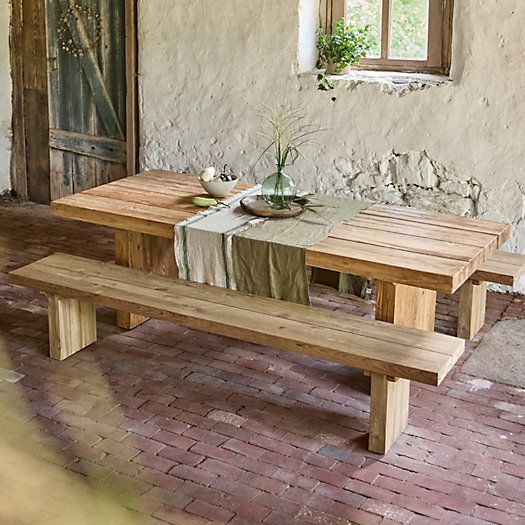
[269, 259]
[229, 248]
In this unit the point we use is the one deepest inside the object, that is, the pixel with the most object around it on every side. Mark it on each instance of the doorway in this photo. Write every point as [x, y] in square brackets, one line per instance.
[75, 95]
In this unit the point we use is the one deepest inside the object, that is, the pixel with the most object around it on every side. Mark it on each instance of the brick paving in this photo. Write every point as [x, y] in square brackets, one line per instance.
[194, 428]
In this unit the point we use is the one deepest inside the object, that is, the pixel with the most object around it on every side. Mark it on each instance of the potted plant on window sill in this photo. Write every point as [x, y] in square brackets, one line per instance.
[340, 50]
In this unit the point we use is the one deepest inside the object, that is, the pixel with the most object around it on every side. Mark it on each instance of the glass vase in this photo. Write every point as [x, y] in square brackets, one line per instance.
[279, 190]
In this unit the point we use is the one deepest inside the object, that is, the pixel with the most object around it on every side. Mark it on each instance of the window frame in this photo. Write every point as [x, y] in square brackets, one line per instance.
[439, 49]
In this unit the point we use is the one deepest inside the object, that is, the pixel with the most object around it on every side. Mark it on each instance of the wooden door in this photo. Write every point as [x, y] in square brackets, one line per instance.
[87, 88]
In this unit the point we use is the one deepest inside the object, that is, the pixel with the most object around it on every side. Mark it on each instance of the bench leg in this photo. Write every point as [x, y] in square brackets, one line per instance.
[472, 307]
[147, 253]
[389, 400]
[406, 306]
[72, 326]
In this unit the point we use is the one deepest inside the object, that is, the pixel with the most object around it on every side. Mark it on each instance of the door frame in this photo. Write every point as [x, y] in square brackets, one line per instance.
[30, 168]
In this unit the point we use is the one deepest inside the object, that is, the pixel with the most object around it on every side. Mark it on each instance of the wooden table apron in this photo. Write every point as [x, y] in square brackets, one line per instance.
[412, 254]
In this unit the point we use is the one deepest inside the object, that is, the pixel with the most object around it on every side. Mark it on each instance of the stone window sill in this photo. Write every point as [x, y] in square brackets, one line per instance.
[392, 82]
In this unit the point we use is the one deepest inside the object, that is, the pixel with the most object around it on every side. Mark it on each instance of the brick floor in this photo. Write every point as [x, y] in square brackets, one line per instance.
[195, 428]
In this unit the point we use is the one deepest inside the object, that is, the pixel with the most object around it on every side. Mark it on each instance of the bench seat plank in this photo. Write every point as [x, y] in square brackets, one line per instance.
[370, 345]
[501, 268]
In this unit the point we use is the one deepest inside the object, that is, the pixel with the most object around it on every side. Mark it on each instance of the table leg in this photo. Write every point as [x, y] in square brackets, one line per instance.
[147, 253]
[472, 308]
[410, 307]
[406, 306]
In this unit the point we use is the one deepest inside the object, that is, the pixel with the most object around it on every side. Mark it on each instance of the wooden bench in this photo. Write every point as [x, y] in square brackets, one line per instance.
[393, 356]
[501, 268]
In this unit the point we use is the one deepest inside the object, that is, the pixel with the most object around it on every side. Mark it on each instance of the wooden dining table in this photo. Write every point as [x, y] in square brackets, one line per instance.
[412, 254]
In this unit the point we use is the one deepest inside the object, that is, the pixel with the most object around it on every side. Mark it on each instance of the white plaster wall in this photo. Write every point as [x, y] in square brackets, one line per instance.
[5, 97]
[208, 66]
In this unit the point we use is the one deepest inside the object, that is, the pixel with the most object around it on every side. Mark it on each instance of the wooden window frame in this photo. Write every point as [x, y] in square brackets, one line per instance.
[439, 52]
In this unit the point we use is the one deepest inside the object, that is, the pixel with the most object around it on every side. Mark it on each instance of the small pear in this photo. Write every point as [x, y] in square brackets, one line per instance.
[208, 174]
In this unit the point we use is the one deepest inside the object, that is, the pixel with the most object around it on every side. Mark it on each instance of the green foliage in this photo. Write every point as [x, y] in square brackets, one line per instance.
[345, 46]
[286, 133]
[409, 25]
[409, 29]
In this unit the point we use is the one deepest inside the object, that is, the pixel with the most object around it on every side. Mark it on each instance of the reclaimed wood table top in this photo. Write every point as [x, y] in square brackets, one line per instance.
[388, 243]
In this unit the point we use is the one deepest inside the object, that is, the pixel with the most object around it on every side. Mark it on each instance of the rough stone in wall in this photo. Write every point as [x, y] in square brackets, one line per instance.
[410, 179]
[506, 204]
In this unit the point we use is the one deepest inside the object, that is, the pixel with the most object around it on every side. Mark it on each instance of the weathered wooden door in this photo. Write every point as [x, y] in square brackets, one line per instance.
[86, 48]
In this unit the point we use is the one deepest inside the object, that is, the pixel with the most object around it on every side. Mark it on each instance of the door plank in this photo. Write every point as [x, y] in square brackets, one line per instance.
[97, 147]
[94, 76]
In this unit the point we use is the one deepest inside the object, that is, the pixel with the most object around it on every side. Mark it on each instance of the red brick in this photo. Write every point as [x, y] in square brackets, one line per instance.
[205, 436]
[278, 518]
[179, 517]
[324, 475]
[154, 462]
[211, 512]
[193, 474]
[204, 449]
[387, 510]
[250, 511]
[240, 490]
[496, 516]
[295, 479]
[357, 516]
[221, 469]
[174, 440]
[124, 452]
[450, 502]
[243, 448]
[273, 444]
[144, 444]
[281, 505]
[181, 456]
[337, 494]
[273, 486]
[176, 427]
[281, 461]
[161, 480]
[514, 470]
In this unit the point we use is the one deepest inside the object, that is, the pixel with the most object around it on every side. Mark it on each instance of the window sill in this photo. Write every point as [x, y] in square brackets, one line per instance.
[392, 82]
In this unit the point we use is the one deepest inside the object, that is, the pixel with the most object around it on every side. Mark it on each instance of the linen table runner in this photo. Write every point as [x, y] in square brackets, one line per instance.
[203, 243]
[270, 258]
[230, 248]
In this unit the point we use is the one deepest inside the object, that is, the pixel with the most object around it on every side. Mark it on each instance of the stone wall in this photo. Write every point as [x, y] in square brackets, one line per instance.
[207, 67]
[5, 97]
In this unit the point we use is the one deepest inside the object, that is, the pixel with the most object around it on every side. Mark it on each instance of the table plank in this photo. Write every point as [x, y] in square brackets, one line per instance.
[465, 224]
[389, 264]
[439, 233]
[117, 214]
[146, 197]
[402, 242]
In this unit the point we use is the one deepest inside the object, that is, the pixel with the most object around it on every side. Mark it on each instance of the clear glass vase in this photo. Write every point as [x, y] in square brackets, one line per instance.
[279, 190]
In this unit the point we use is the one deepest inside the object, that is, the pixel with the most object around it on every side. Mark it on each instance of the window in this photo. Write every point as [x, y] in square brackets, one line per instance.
[408, 35]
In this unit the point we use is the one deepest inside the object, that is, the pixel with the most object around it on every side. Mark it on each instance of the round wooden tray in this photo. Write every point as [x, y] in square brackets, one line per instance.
[256, 205]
